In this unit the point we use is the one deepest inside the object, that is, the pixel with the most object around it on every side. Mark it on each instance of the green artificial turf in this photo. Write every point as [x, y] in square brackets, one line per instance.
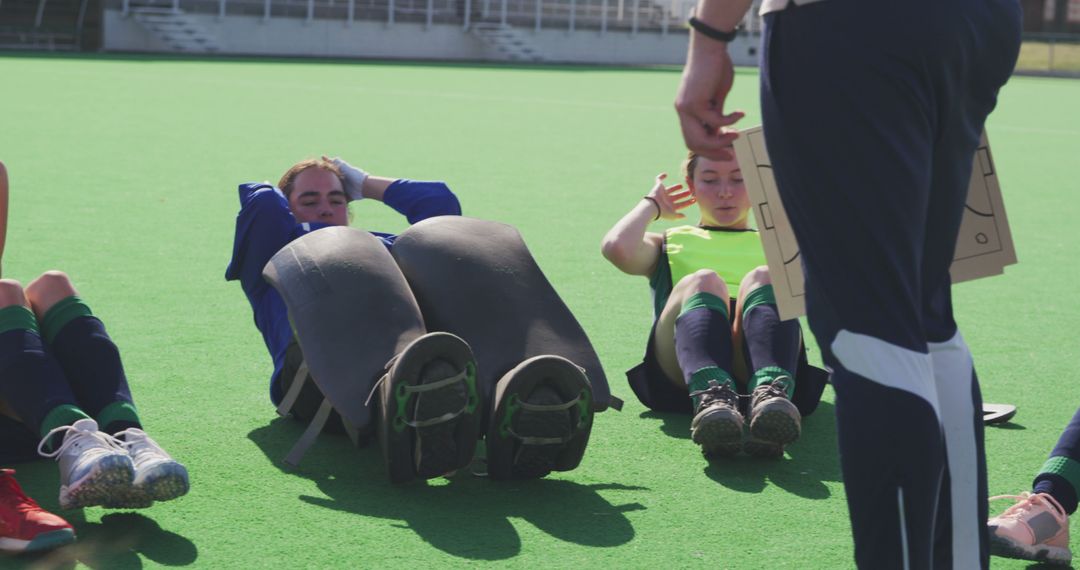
[124, 174]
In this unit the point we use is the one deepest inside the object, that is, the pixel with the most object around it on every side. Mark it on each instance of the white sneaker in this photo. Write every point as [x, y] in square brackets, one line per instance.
[94, 467]
[158, 477]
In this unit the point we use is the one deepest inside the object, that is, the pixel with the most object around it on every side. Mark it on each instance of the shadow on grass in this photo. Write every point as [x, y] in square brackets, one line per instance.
[803, 471]
[115, 542]
[1007, 426]
[673, 425]
[465, 516]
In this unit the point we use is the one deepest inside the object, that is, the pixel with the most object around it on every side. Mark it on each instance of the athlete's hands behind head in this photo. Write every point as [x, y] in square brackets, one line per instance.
[354, 178]
[669, 199]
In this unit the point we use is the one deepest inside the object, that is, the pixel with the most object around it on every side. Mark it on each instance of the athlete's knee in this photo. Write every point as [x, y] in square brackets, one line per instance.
[11, 293]
[755, 279]
[49, 288]
[704, 281]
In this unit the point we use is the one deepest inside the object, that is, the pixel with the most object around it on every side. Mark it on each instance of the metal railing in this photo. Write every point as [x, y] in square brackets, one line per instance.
[662, 16]
[44, 24]
[1050, 53]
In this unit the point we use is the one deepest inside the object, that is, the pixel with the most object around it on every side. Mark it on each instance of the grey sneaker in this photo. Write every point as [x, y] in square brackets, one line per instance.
[774, 420]
[717, 425]
[158, 477]
[94, 466]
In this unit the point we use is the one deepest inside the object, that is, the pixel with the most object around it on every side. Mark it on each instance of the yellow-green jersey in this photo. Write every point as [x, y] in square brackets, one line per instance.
[687, 249]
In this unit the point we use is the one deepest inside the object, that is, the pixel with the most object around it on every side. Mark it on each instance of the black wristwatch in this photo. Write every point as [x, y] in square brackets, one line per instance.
[711, 32]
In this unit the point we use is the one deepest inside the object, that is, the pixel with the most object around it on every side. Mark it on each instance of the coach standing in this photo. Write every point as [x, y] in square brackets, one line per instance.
[872, 112]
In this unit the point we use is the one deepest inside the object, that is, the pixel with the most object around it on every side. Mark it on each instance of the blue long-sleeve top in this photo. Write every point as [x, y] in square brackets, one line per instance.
[265, 225]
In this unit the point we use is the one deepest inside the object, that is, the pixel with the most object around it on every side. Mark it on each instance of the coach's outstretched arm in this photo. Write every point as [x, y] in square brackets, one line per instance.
[707, 79]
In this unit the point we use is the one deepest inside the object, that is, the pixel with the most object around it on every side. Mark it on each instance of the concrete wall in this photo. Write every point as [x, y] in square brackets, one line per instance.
[251, 35]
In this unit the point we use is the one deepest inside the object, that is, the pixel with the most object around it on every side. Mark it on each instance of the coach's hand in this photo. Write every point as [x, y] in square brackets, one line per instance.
[706, 81]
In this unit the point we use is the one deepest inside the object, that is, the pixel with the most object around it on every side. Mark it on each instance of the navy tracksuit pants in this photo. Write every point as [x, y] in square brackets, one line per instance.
[872, 113]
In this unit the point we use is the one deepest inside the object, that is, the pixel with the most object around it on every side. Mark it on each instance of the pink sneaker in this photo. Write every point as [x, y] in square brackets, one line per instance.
[1035, 528]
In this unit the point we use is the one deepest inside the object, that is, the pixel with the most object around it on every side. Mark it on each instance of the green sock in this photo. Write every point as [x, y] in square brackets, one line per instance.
[17, 317]
[117, 412]
[1064, 467]
[707, 300]
[62, 415]
[699, 380]
[768, 374]
[63, 312]
[763, 295]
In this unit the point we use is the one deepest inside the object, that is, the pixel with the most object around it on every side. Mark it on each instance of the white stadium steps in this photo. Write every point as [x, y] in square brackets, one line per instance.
[508, 41]
[176, 29]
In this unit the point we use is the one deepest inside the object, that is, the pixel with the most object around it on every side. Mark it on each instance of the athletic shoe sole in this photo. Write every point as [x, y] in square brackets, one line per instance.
[718, 432]
[162, 482]
[777, 422]
[1040, 552]
[412, 449]
[541, 419]
[109, 479]
[44, 541]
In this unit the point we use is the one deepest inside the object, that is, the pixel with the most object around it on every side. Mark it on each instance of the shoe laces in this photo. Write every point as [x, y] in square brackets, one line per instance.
[138, 444]
[776, 389]
[717, 393]
[78, 438]
[1026, 501]
[12, 494]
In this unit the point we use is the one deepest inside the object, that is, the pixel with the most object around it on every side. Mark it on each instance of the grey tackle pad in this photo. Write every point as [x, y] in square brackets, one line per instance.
[351, 311]
[476, 279]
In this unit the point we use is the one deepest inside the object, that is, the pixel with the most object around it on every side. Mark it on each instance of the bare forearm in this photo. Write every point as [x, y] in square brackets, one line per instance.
[626, 245]
[375, 187]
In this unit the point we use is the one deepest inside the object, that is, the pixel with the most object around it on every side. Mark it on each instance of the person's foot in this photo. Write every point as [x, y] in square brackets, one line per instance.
[541, 418]
[429, 408]
[94, 467]
[774, 420]
[25, 526]
[1034, 528]
[717, 425]
[158, 477]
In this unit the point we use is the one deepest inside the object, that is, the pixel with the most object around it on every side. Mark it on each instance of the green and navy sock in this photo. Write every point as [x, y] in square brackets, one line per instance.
[32, 382]
[1060, 475]
[90, 359]
[62, 415]
[702, 378]
[703, 344]
[772, 346]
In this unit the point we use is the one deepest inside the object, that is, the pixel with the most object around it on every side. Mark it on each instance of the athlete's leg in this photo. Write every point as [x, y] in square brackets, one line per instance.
[702, 341]
[1036, 526]
[90, 359]
[91, 363]
[1060, 475]
[32, 383]
[772, 347]
[694, 345]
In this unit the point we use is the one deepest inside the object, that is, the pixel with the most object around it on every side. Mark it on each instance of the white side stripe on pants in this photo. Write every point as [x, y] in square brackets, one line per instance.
[953, 376]
[887, 364]
[903, 527]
